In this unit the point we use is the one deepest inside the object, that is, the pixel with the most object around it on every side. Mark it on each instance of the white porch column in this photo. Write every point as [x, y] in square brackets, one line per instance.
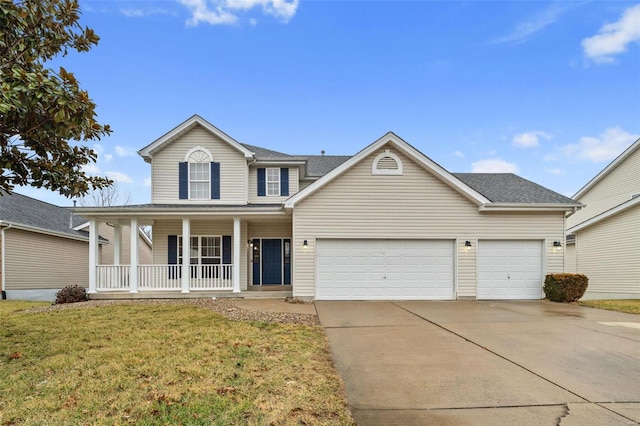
[236, 255]
[93, 254]
[117, 244]
[186, 254]
[133, 271]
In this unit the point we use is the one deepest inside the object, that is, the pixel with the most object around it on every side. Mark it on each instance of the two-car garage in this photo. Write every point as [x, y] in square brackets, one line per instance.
[387, 269]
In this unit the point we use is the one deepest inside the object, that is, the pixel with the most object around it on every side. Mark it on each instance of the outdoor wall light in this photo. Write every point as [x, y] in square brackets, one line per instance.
[467, 245]
[557, 245]
[305, 244]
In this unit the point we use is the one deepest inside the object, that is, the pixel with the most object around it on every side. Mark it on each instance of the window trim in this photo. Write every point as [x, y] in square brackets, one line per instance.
[388, 172]
[199, 250]
[276, 182]
[205, 158]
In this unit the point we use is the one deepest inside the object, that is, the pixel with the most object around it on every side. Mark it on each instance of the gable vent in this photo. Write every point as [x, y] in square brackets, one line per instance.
[387, 163]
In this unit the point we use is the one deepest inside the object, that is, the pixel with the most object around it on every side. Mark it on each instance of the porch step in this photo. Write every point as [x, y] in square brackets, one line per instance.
[253, 294]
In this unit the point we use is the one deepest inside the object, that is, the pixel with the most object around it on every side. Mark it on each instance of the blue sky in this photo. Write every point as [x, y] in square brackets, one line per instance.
[548, 90]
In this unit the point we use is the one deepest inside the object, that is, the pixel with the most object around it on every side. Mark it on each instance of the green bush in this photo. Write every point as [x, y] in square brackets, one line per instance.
[565, 287]
[71, 294]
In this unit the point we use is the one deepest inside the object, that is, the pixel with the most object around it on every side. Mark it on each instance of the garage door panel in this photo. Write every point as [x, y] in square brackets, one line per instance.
[509, 269]
[384, 269]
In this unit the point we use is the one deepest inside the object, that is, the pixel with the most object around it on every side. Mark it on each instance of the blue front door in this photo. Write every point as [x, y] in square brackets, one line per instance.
[271, 261]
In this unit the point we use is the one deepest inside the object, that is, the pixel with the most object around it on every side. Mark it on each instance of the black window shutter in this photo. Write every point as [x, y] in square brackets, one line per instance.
[226, 249]
[284, 181]
[174, 271]
[183, 181]
[215, 181]
[262, 182]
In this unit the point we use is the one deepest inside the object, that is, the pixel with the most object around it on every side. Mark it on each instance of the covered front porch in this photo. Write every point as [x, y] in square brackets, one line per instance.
[226, 255]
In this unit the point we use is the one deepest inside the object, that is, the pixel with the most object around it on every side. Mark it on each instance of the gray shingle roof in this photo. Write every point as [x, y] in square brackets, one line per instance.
[23, 210]
[266, 154]
[510, 188]
[320, 165]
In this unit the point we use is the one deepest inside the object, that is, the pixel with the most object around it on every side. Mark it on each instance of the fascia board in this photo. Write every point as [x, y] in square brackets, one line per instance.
[634, 146]
[604, 215]
[409, 150]
[43, 231]
[523, 207]
[147, 151]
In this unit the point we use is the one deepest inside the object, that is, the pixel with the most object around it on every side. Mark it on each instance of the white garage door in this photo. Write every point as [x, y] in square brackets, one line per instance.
[509, 270]
[384, 270]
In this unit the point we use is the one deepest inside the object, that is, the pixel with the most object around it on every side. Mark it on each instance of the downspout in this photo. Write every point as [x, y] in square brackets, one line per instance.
[4, 269]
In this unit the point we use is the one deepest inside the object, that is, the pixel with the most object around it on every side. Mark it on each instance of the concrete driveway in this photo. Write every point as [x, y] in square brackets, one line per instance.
[458, 363]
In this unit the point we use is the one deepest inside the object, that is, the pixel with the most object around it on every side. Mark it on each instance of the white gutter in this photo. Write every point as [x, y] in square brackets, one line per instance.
[4, 265]
[527, 207]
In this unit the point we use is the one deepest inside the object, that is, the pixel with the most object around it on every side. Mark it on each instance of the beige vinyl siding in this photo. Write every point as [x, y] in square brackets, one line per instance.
[614, 189]
[609, 254]
[163, 228]
[270, 230]
[570, 259]
[253, 187]
[416, 205]
[233, 169]
[39, 261]
[145, 256]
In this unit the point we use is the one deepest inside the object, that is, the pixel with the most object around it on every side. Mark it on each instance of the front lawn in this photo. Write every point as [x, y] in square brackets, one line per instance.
[630, 306]
[162, 364]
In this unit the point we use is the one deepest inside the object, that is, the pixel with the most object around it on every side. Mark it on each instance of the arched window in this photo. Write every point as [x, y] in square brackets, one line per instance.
[386, 163]
[199, 160]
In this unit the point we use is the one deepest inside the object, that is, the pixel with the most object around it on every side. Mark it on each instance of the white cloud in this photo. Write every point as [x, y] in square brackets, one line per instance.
[529, 139]
[493, 165]
[91, 169]
[556, 171]
[526, 29]
[613, 38]
[606, 147]
[123, 151]
[108, 157]
[458, 154]
[221, 12]
[98, 148]
[143, 12]
[147, 181]
[118, 177]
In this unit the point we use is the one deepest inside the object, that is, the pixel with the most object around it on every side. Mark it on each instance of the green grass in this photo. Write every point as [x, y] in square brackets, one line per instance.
[630, 306]
[162, 364]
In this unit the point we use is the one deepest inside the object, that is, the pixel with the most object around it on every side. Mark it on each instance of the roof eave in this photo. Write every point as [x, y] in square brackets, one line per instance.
[43, 231]
[597, 178]
[604, 215]
[537, 207]
[148, 151]
[408, 150]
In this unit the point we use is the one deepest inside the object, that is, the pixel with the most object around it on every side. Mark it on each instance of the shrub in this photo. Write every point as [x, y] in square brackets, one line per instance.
[71, 294]
[565, 287]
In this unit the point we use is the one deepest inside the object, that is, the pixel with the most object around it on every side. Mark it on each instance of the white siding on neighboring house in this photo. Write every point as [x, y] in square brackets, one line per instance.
[39, 261]
[609, 255]
[416, 205]
[570, 258]
[612, 190]
[163, 228]
[253, 187]
[233, 169]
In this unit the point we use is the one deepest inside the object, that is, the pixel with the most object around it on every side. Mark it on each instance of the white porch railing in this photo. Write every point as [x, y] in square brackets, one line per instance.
[164, 277]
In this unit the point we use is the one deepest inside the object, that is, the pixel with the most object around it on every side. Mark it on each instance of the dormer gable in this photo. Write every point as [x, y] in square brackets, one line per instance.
[154, 147]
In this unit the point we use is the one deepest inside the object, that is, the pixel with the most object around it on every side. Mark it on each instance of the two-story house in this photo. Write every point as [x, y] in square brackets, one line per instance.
[604, 237]
[386, 223]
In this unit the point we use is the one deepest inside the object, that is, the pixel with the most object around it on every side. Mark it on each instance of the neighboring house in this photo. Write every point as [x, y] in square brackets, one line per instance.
[386, 223]
[45, 248]
[603, 238]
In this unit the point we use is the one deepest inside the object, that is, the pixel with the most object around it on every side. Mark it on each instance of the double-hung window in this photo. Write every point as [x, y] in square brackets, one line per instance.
[273, 181]
[203, 251]
[199, 176]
